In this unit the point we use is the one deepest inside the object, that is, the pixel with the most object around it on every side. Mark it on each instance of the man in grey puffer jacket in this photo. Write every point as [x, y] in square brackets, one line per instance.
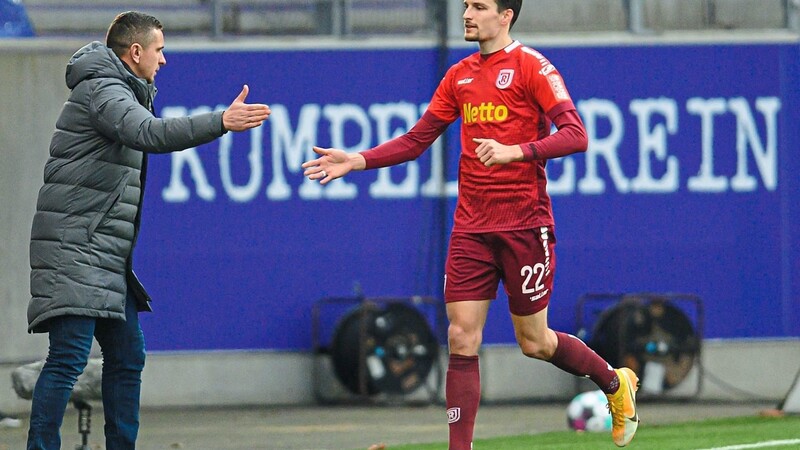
[87, 221]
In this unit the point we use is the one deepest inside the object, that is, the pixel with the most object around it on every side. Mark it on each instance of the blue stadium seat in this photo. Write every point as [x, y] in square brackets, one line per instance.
[14, 20]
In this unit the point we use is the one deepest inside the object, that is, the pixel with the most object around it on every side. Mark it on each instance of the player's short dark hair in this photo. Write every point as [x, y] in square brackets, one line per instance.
[130, 28]
[513, 5]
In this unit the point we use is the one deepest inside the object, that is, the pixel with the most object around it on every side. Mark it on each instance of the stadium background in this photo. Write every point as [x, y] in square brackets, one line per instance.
[235, 273]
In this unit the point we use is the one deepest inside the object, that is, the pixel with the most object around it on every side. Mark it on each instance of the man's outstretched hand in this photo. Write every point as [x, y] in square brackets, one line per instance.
[242, 116]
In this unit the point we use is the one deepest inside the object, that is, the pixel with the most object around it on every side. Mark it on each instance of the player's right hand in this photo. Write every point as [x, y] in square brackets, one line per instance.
[332, 164]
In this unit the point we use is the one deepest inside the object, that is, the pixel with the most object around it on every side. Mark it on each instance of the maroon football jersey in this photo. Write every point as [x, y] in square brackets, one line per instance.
[506, 96]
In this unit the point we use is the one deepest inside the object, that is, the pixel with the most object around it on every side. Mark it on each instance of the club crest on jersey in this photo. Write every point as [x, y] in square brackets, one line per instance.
[504, 78]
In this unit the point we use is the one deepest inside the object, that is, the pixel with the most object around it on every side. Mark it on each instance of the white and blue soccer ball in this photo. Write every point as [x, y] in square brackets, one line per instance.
[588, 411]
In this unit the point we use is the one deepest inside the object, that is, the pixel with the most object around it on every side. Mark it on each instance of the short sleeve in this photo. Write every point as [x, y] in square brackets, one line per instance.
[444, 104]
[546, 83]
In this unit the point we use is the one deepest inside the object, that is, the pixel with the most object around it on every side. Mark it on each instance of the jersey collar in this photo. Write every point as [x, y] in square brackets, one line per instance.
[510, 47]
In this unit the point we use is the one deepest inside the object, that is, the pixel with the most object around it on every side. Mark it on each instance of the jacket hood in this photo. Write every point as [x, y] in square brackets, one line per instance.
[95, 60]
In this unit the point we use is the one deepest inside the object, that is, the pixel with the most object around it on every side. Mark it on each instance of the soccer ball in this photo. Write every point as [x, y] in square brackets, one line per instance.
[588, 411]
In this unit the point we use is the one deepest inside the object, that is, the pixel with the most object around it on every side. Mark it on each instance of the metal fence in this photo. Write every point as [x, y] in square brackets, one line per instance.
[645, 16]
[356, 18]
[321, 17]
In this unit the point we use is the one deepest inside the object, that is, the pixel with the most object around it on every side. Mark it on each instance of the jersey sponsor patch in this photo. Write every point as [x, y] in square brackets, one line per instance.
[484, 113]
[557, 85]
[504, 78]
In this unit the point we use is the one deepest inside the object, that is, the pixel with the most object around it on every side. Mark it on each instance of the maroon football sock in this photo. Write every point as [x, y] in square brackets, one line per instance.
[463, 394]
[575, 357]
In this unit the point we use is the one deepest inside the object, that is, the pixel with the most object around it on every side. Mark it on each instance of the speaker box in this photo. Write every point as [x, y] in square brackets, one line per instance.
[657, 335]
[378, 349]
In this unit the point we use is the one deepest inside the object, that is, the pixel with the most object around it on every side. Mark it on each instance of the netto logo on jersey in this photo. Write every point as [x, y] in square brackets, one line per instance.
[485, 112]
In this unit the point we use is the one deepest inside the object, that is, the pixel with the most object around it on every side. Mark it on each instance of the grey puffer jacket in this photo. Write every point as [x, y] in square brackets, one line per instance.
[88, 212]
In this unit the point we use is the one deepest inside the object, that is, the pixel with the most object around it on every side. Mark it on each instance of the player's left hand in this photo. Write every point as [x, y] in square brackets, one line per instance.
[491, 152]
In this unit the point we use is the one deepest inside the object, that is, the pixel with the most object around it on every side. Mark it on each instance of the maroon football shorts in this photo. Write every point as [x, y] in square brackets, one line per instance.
[524, 260]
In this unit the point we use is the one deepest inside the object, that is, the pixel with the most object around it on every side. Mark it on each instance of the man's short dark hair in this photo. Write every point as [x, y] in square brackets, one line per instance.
[129, 28]
[514, 5]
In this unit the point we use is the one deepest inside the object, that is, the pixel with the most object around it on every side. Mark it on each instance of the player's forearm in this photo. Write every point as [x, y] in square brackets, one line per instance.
[406, 147]
[570, 138]
[396, 151]
[519, 153]
[356, 161]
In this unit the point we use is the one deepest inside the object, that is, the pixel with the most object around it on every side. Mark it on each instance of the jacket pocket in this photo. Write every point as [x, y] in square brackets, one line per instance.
[115, 195]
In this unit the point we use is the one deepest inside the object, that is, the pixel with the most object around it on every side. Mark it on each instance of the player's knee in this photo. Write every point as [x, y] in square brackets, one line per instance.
[463, 341]
[535, 349]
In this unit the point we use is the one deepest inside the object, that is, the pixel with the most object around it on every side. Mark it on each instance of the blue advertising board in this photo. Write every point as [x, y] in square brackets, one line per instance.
[689, 185]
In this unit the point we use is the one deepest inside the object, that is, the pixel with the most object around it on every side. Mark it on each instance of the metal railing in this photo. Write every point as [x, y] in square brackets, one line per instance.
[636, 11]
[352, 18]
[793, 15]
[338, 18]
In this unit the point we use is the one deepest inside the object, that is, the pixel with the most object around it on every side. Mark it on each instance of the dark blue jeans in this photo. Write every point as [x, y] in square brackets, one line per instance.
[122, 345]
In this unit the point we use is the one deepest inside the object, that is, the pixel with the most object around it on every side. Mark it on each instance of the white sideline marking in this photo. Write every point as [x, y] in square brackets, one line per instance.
[758, 445]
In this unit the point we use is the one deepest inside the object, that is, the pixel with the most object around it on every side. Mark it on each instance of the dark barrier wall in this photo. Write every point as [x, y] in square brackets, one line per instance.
[690, 185]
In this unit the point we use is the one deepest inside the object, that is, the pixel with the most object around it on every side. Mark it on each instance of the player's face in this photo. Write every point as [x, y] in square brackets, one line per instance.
[151, 58]
[482, 21]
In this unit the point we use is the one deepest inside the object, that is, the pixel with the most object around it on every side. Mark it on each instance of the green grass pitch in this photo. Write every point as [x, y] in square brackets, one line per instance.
[781, 433]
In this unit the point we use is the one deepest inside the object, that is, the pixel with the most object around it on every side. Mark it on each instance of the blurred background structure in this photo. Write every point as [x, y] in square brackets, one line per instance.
[348, 18]
[689, 185]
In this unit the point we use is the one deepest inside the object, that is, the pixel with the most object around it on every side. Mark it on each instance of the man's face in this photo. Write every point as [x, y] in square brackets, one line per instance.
[482, 21]
[151, 58]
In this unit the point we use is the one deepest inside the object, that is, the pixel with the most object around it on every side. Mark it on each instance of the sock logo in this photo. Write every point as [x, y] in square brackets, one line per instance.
[453, 415]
